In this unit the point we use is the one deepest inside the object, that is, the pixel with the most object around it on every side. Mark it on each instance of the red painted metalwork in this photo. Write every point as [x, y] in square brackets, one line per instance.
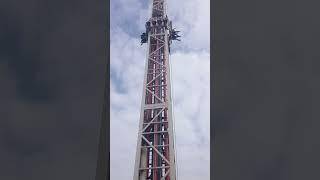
[155, 150]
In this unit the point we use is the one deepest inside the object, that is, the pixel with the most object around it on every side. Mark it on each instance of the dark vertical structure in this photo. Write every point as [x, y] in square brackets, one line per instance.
[103, 169]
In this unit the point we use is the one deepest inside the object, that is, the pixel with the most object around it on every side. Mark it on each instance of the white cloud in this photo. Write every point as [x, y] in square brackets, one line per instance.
[192, 17]
[190, 76]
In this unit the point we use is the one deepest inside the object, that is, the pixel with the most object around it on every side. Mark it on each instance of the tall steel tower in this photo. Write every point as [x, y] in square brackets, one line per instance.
[155, 156]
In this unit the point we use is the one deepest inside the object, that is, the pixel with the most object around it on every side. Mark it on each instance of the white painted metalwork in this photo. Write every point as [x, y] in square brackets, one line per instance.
[155, 156]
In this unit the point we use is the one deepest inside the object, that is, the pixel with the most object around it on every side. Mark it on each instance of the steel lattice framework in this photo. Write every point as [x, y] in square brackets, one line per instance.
[155, 156]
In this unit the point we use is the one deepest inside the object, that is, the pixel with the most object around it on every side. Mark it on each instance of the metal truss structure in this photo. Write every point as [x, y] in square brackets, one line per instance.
[155, 156]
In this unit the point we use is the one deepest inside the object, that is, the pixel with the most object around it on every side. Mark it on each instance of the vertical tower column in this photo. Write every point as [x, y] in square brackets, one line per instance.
[155, 156]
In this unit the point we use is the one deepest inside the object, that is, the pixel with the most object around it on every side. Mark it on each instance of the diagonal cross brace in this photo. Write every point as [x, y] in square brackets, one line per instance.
[156, 5]
[159, 153]
[165, 175]
[154, 36]
[153, 120]
[156, 50]
[154, 78]
[156, 62]
[155, 95]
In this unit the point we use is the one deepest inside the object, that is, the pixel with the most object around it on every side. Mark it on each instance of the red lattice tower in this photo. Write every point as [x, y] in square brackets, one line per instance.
[155, 156]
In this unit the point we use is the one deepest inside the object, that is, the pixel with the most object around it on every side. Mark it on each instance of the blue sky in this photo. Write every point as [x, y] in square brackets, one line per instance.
[190, 61]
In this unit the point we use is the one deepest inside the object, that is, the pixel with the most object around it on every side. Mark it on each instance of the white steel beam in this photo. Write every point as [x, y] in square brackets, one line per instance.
[156, 150]
[152, 120]
[155, 137]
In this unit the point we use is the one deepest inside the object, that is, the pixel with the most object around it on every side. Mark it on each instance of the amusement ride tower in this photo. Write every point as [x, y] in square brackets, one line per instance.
[155, 155]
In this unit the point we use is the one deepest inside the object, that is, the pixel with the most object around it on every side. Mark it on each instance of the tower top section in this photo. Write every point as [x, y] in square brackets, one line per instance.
[158, 8]
[159, 22]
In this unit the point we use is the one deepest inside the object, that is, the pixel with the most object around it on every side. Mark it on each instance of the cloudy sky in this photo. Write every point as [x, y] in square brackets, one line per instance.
[190, 60]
